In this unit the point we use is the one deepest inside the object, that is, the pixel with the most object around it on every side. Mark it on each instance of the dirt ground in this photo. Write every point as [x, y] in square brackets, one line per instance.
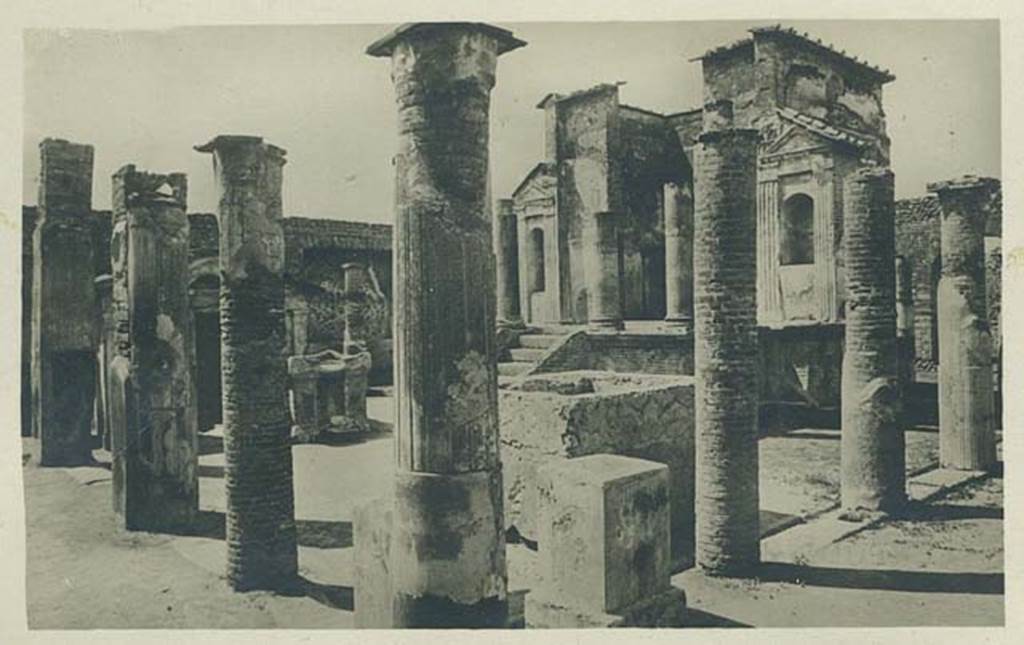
[942, 565]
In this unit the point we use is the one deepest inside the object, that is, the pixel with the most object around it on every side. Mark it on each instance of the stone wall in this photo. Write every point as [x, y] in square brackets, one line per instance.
[549, 417]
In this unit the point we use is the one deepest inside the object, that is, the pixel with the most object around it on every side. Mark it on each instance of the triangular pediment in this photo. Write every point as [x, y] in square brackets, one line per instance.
[796, 138]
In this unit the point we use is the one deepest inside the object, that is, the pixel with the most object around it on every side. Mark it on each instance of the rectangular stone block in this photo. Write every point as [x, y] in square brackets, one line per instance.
[604, 531]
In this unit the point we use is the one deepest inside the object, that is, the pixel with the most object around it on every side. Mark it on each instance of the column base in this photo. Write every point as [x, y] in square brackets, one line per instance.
[433, 554]
[515, 324]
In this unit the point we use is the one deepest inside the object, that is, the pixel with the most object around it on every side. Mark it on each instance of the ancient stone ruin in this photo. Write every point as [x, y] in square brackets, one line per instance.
[583, 369]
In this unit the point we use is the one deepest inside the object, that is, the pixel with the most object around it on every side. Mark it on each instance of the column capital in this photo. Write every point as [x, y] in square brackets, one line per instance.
[226, 145]
[966, 182]
[385, 47]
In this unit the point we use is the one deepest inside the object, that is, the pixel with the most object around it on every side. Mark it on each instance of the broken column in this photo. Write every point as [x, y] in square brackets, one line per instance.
[509, 314]
[966, 430]
[726, 352]
[63, 306]
[445, 566]
[258, 474]
[872, 451]
[356, 346]
[154, 436]
[678, 201]
[602, 265]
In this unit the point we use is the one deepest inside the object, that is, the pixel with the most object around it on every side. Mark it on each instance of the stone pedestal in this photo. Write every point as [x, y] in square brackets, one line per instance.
[873, 472]
[726, 352]
[328, 393]
[154, 430]
[602, 265]
[446, 425]
[261, 535]
[63, 307]
[966, 430]
[678, 256]
[603, 542]
[509, 315]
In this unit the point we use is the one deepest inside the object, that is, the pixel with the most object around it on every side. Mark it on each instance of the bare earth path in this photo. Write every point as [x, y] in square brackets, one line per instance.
[941, 566]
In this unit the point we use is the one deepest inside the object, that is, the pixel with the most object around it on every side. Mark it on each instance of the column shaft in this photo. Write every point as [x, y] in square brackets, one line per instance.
[872, 451]
[155, 434]
[726, 351]
[602, 266]
[678, 202]
[966, 431]
[258, 474]
[447, 557]
[509, 314]
[63, 306]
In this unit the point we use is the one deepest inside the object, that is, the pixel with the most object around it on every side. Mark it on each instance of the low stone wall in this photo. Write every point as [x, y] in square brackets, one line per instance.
[550, 417]
[649, 353]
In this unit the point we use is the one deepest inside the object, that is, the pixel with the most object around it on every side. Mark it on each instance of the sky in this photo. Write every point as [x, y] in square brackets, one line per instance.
[146, 97]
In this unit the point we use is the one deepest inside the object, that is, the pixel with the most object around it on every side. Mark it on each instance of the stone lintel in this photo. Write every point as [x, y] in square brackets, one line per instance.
[385, 46]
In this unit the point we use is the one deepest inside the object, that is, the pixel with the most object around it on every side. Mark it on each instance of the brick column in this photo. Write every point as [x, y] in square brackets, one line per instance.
[509, 314]
[447, 553]
[726, 351]
[154, 429]
[905, 340]
[966, 434]
[258, 474]
[602, 266]
[872, 452]
[63, 306]
[678, 255]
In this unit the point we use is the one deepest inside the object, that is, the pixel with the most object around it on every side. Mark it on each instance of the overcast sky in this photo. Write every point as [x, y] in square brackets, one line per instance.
[146, 97]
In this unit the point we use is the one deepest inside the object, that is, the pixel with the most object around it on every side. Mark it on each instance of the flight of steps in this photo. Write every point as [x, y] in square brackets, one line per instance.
[529, 349]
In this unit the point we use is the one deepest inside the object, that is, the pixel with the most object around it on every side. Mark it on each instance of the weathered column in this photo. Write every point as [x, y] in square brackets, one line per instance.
[258, 474]
[104, 354]
[966, 431]
[678, 255]
[872, 451]
[63, 306]
[509, 314]
[726, 351]
[905, 341]
[602, 266]
[154, 430]
[447, 554]
[356, 325]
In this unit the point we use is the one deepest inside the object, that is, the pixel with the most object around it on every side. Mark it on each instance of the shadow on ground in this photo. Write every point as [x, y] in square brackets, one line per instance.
[317, 534]
[882, 579]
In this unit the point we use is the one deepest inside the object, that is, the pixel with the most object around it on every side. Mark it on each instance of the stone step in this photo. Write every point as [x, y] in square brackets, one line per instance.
[526, 355]
[538, 341]
[512, 369]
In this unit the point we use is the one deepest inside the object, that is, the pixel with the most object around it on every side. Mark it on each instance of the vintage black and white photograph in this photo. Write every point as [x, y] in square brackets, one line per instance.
[671, 324]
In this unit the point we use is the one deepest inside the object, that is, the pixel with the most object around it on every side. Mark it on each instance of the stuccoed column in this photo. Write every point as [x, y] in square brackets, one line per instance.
[63, 306]
[678, 200]
[872, 450]
[966, 404]
[155, 434]
[509, 314]
[726, 352]
[447, 553]
[603, 270]
[258, 474]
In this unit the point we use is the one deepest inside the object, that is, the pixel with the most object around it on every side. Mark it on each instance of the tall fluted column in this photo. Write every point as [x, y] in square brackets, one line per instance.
[726, 351]
[258, 474]
[63, 306]
[447, 551]
[509, 314]
[602, 266]
[678, 255]
[872, 451]
[966, 430]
